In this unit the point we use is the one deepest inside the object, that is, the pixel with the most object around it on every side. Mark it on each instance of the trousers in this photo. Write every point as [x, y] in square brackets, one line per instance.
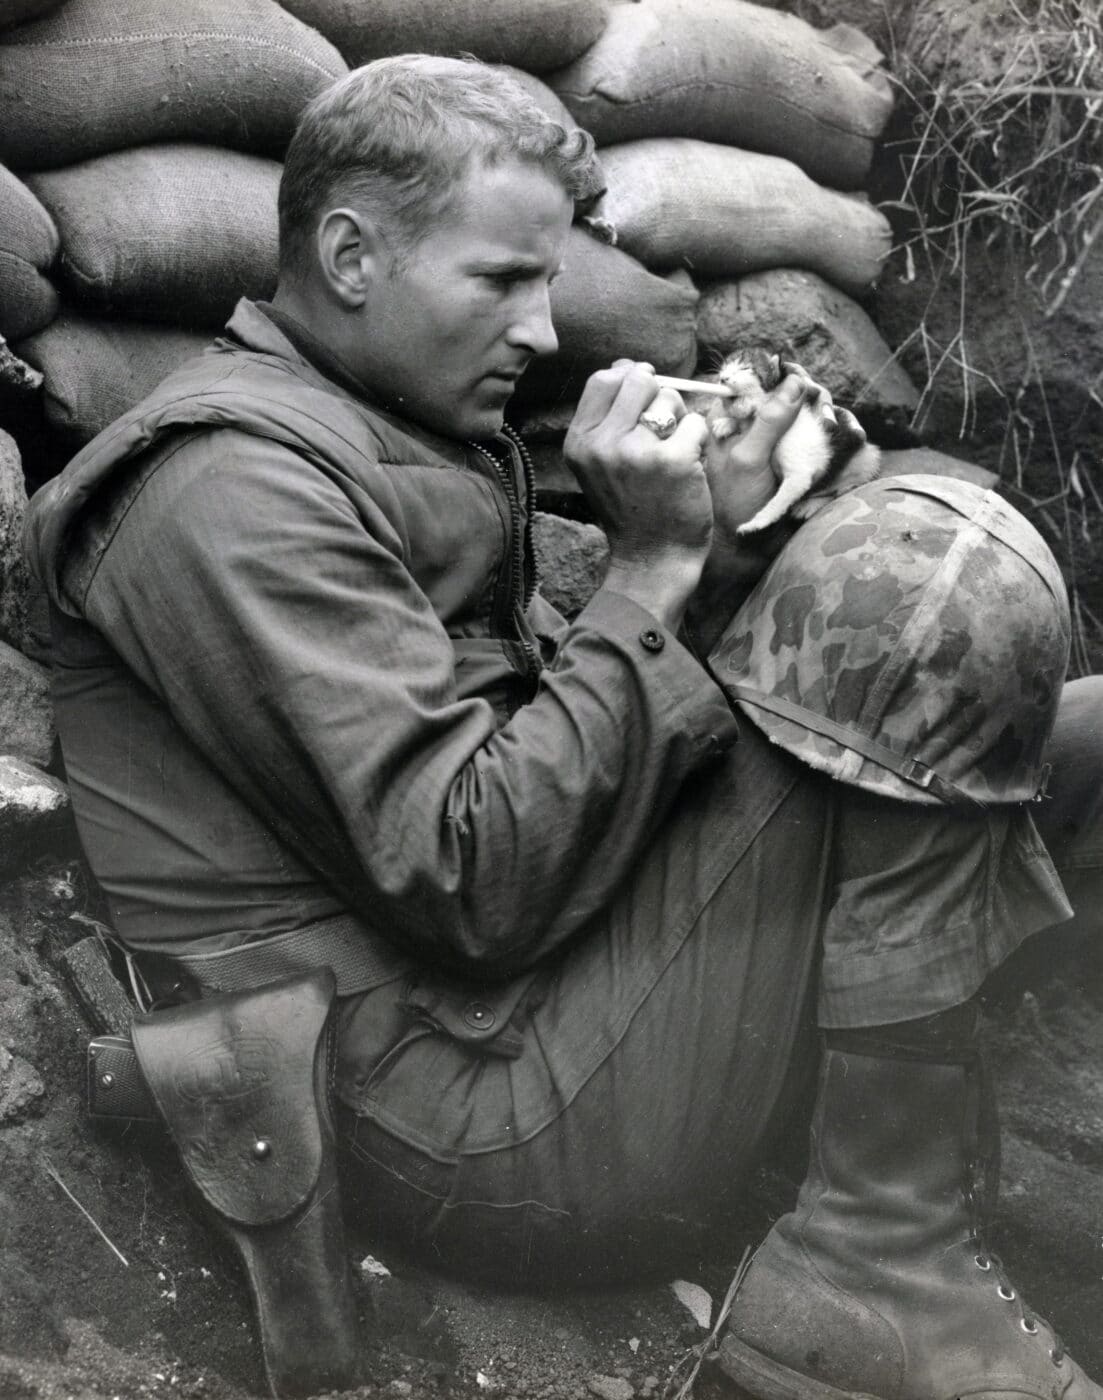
[638, 1081]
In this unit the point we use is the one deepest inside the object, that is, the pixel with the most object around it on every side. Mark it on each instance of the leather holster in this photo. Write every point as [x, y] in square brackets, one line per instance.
[243, 1081]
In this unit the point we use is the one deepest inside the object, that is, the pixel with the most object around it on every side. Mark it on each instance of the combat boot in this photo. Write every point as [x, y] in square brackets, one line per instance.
[879, 1285]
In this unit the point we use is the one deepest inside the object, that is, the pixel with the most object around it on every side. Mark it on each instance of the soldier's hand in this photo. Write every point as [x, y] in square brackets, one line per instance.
[646, 484]
[740, 475]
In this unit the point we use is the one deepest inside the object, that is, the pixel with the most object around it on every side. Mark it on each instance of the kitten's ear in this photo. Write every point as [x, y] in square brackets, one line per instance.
[775, 368]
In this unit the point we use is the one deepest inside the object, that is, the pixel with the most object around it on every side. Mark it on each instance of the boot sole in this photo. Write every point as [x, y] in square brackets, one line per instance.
[765, 1379]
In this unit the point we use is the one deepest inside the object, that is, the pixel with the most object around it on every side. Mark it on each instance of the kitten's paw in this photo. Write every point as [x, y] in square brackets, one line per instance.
[723, 428]
[770, 514]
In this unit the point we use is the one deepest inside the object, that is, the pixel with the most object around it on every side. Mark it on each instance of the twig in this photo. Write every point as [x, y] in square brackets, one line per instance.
[116, 1252]
[699, 1352]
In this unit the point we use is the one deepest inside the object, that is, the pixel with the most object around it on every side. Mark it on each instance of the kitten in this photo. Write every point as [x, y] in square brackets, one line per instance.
[822, 455]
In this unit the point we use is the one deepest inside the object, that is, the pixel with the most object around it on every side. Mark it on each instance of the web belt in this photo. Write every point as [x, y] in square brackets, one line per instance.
[359, 958]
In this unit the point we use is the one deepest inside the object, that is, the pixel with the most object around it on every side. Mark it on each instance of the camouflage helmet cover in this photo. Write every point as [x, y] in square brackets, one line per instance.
[911, 639]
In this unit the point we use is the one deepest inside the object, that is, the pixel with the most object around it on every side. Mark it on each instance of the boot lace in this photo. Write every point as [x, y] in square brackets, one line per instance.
[988, 1261]
[980, 1187]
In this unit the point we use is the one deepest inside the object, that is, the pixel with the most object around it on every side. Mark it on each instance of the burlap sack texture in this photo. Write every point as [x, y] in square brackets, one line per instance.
[173, 233]
[722, 212]
[733, 73]
[96, 370]
[537, 35]
[28, 246]
[94, 77]
[711, 210]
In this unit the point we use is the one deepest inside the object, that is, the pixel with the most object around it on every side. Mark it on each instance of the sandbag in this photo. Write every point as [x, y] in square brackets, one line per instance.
[726, 71]
[722, 212]
[100, 75]
[13, 12]
[604, 306]
[831, 335]
[95, 370]
[536, 35]
[28, 245]
[172, 233]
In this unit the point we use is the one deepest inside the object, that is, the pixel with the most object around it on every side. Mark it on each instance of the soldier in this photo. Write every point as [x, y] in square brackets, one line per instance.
[321, 729]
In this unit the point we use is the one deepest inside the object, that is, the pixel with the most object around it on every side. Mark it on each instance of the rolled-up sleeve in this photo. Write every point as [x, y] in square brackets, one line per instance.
[277, 621]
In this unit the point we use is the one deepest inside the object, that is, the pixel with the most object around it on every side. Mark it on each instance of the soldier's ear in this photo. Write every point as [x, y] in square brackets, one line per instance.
[351, 252]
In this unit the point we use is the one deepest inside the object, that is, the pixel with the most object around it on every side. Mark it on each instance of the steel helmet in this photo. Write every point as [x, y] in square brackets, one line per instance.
[911, 639]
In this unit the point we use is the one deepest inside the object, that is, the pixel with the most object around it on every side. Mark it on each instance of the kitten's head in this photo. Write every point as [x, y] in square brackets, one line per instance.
[751, 367]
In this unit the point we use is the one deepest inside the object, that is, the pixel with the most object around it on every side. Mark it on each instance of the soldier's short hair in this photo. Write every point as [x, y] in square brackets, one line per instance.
[396, 137]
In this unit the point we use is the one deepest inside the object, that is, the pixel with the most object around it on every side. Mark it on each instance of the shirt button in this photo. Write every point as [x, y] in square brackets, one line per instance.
[652, 639]
[478, 1016]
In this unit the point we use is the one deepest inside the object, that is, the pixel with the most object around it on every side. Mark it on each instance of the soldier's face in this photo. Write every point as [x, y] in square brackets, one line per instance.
[454, 322]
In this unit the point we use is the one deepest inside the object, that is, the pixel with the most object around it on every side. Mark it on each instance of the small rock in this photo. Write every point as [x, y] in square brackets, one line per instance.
[694, 1298]
[610, 1387]
[20, 1086]
[370, 1267]
[571, 559]
[33, 807]
[400, 1387]
[26, 714]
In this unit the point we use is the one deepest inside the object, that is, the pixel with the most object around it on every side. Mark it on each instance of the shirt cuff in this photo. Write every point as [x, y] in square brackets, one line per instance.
[688, 698]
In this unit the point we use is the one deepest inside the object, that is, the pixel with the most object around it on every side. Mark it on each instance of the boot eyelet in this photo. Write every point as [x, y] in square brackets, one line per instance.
[981, 1262]
[1007, 1294]
[1030, 1328]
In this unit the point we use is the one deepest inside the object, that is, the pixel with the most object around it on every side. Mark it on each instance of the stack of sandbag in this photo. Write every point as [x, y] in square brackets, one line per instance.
[536, 35]
[734, 73]
[146, 135]
[100, 75]
[157, 244]
[735, 141]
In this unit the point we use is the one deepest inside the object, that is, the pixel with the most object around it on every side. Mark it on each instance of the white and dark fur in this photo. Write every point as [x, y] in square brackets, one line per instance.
[822, 455]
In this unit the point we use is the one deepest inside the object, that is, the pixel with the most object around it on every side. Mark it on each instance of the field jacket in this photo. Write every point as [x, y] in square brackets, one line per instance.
[301, 667]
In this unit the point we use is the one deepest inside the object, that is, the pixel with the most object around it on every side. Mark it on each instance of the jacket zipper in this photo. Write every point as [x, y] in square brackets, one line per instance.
[522, 579]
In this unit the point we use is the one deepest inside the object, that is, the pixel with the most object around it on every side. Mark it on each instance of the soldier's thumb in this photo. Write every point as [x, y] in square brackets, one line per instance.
[776, 416]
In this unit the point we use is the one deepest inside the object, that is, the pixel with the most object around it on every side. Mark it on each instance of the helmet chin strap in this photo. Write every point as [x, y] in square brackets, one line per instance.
[911, 770]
